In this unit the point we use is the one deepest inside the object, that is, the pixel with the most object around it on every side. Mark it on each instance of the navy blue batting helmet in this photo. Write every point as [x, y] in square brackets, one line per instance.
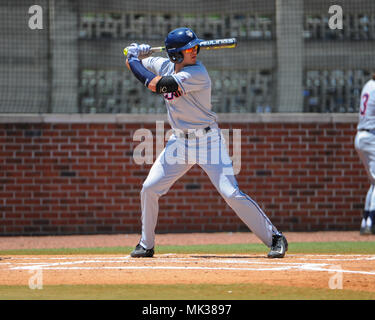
[178, 40]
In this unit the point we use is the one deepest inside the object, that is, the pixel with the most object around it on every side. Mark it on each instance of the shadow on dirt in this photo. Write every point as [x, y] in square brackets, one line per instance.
[227, 257]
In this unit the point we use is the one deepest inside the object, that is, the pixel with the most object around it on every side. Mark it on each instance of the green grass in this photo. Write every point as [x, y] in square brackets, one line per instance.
[298, 247]
[179, 292]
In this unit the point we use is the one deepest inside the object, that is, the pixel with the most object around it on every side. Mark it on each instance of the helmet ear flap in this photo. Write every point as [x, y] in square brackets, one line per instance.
[176, 57]
[180, 57]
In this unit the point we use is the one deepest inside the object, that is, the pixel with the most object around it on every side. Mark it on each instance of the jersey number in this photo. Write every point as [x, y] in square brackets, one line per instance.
[172, 95]
[365, 98]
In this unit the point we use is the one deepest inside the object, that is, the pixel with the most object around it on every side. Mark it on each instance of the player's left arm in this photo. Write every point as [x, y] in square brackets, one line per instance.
[150, 80]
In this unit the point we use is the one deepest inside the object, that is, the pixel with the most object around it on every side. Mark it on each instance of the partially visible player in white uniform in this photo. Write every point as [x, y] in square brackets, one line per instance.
[365, 146]
[186, 87]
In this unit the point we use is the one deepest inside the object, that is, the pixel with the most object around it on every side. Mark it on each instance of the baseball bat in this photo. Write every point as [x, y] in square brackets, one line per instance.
[206, 45]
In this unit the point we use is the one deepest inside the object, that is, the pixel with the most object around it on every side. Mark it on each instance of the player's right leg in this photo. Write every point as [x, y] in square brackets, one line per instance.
[366, 219]
[370, 222]
[165, 171]
[365, 146]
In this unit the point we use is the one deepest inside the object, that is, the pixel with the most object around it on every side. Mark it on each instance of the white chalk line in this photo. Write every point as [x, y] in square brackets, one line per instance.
[285, 268]
[25, 265]
[270, 265]
[194, 256]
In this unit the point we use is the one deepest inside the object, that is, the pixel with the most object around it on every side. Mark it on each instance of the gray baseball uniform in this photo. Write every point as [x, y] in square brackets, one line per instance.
[190, 109]
[365, 146]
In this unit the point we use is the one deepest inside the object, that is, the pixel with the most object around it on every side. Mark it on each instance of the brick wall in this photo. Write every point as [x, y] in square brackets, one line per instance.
[67, 176]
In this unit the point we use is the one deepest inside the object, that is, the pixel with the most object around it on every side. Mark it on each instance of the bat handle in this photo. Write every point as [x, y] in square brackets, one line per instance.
[152, 50]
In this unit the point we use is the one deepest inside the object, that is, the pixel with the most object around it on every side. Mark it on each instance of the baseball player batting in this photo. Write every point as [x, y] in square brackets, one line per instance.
[186, 87]
[365, 146]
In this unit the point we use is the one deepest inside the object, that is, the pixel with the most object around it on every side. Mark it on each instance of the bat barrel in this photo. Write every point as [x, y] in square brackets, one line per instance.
[219, 43]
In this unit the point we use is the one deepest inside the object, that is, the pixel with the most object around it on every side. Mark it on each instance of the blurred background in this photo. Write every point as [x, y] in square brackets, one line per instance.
[288, 58]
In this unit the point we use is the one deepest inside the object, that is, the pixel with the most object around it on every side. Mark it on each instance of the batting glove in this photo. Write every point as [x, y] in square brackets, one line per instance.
[133, 51]
[144, 50]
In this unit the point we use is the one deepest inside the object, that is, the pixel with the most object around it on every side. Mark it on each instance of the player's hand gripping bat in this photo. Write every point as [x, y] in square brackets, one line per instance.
[206, 45]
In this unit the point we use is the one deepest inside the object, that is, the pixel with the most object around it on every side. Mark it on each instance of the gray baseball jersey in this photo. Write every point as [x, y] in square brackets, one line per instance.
[191, 108]
[367, 107]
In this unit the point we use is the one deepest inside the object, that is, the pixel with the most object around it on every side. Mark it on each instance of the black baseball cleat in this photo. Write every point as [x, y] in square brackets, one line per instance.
[279, 246]
[140, 252]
